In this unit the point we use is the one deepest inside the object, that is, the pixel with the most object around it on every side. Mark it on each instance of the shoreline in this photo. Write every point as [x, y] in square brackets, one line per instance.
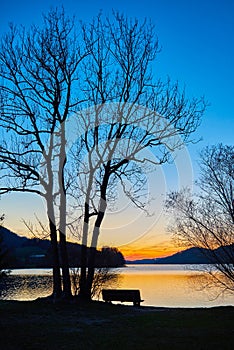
[49, 301]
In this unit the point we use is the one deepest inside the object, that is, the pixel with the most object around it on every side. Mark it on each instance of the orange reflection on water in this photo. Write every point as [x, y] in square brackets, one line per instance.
[171, 288]
[159, 290]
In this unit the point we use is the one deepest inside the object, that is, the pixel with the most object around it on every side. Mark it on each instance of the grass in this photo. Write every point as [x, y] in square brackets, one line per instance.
[43, 325]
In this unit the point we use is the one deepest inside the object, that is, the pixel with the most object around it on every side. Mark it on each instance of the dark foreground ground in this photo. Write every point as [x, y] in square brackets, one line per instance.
[43, 325]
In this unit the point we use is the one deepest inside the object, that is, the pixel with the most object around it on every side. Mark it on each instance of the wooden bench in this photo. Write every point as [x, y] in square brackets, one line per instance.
[131, 295]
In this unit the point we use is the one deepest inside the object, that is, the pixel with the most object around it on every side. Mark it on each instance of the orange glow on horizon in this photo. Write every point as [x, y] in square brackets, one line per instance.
[154, 247]
[138, 253]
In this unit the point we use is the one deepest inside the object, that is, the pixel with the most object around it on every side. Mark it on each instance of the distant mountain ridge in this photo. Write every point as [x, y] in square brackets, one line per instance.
[25, 252]
[11, 239]
[191, 256]
[29, 252]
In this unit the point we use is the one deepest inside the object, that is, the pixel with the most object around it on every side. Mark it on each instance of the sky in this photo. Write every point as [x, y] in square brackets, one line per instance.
[197, 49]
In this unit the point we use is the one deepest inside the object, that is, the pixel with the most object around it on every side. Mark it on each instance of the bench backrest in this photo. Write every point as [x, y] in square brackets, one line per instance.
[121, 295]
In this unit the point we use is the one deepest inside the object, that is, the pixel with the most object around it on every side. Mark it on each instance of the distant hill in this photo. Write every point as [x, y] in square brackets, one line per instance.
[24, 252]
[12, 240]
[191, 256]
[188, 256]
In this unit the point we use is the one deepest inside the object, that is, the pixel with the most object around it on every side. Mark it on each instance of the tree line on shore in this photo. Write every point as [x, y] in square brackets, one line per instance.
[22, 252]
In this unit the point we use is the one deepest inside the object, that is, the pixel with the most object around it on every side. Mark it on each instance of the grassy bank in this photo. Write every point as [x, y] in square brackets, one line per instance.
[41, 325]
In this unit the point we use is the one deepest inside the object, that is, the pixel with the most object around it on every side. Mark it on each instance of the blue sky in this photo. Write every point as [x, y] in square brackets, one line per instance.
[197, 40]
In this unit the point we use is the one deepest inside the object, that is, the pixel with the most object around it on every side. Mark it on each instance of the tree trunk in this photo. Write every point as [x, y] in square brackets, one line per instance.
[96, 230]
[62, 215]
[63, 248]
[91, 271]
[57, 290]
[65, 266]
[82, 282]
[93, 248]
[83, 274]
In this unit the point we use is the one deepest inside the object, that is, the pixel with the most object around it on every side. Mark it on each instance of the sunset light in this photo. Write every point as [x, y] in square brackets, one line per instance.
[116, 174]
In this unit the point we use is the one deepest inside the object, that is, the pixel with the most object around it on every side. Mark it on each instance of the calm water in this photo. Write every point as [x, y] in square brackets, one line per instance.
[160, 285]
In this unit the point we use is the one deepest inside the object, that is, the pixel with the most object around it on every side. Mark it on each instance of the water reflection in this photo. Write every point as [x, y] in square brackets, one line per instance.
[160, 285]
[25, 287]
[173, 286]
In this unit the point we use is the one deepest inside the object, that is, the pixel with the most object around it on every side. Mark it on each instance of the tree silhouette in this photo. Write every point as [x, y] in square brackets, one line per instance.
[207, 219]
[128, 112]
[102, 72]
[38, 82]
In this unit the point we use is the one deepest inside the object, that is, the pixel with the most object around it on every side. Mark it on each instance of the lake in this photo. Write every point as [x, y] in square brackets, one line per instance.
[160, 285]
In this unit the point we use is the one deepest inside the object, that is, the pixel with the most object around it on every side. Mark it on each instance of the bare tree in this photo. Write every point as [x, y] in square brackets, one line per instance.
[131, 112]
[206, 220]
[124, 111]
[103, 277]
[38, 77]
